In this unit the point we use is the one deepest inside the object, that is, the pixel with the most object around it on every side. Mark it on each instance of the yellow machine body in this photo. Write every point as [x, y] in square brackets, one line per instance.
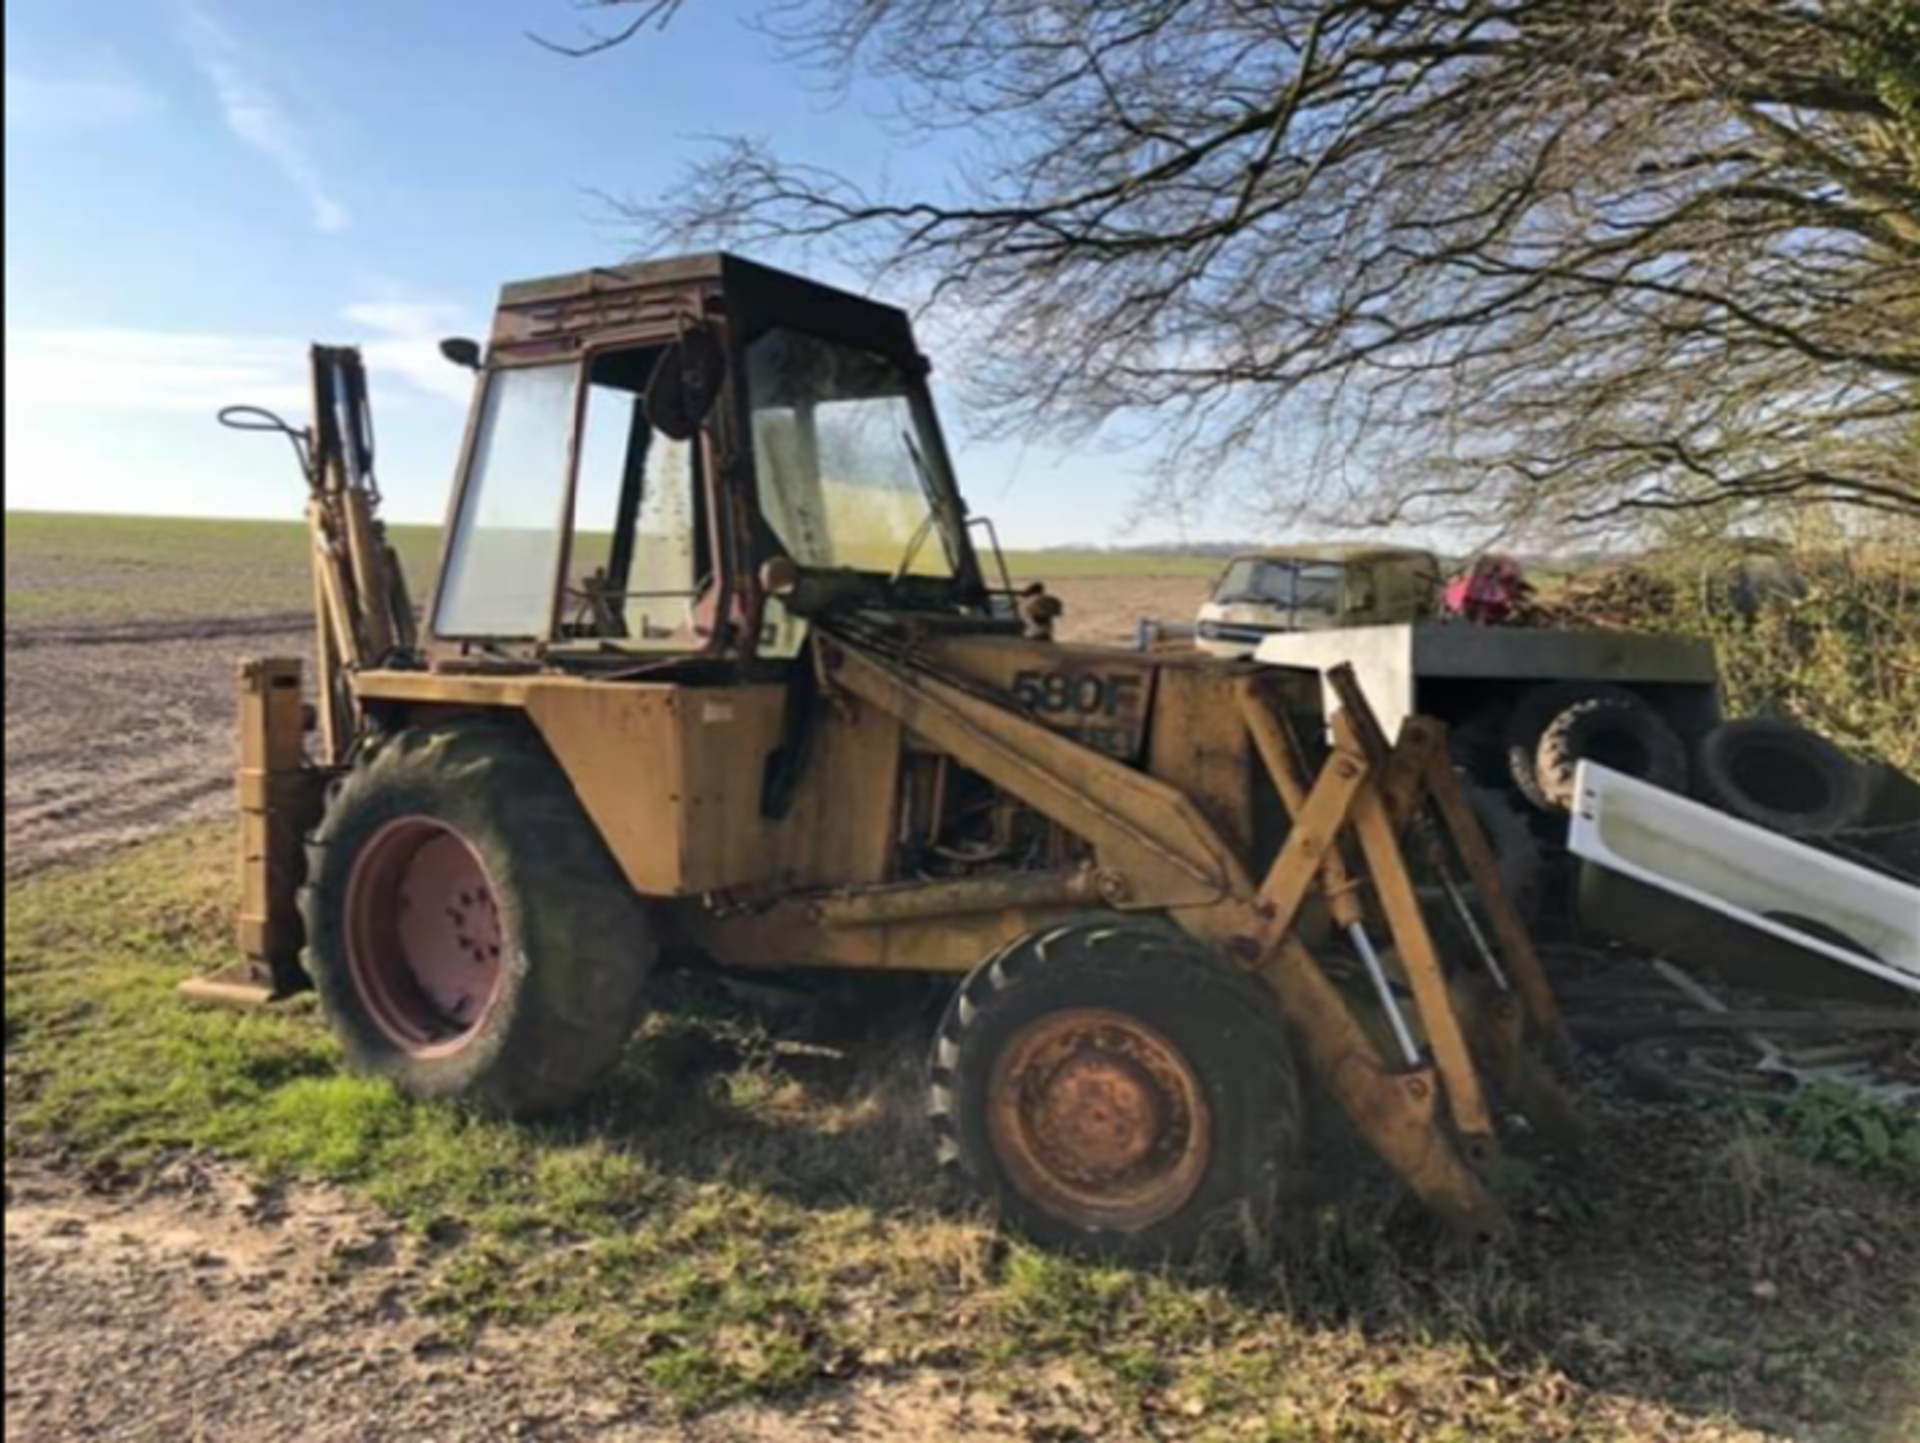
[801, 767]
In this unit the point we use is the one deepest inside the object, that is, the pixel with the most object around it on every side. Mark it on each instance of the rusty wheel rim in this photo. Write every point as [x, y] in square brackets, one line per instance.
[1099, 1118]
[426, 944]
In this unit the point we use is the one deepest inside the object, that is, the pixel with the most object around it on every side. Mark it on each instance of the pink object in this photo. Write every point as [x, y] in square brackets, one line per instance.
[1489, 593]
[425, 942]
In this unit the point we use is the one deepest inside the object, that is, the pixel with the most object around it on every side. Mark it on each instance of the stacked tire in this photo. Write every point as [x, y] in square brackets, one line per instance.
[1781, 776]
[1555, 728]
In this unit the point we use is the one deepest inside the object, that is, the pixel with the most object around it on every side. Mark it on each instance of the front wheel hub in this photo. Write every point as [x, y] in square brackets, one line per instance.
[1099, 1118]
[426, 943]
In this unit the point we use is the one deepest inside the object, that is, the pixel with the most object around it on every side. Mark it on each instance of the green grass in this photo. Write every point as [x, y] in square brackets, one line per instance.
[733, 1219]
[121, 568]
[99, 569]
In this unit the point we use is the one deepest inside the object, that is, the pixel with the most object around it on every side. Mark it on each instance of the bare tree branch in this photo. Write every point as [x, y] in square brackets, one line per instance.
[1555, 263]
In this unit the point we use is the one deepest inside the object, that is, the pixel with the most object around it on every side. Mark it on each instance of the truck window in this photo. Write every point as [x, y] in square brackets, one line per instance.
[1291, 585]
[1363, 587]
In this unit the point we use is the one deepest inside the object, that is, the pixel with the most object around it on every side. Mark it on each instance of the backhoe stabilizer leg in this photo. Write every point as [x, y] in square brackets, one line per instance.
[1505, 1047]
[279, 797]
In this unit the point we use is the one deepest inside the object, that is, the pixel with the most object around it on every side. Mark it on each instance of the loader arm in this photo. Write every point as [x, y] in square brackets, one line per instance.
[1426, 1114]
[1155, 848]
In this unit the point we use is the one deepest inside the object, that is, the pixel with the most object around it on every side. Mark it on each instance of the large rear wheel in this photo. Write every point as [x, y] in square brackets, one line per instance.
[1116, 1091]
[468, 932]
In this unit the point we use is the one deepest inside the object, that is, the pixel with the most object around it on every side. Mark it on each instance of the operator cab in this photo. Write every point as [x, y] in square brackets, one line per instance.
[687, 459]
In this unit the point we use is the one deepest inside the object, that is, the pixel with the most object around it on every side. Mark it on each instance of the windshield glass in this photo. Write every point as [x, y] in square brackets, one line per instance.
[503, 566]
[847, 460]
[1296, 585]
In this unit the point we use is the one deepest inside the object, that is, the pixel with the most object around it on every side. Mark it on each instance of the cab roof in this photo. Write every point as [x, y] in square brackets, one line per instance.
[757, 298]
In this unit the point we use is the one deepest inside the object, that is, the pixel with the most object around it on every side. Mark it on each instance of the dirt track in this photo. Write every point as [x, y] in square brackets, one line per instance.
[204, 1307]
[118, 732]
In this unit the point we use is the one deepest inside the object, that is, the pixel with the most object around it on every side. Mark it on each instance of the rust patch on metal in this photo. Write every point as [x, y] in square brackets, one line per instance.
[1100, 1119]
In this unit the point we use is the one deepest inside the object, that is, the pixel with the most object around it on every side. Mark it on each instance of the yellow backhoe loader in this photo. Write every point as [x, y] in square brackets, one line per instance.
[713, 662]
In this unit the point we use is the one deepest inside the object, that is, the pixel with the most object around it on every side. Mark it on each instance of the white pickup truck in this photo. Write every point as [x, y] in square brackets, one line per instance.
[1319, 587]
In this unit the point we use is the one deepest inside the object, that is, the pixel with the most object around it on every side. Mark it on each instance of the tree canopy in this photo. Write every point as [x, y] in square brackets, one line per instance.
[1563, 263]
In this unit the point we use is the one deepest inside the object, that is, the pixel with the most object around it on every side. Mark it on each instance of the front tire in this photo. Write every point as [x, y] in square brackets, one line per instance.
[1116, 1091]
[468, 933]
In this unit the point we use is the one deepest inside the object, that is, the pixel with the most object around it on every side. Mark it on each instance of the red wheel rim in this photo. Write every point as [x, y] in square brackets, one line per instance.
[426, 944]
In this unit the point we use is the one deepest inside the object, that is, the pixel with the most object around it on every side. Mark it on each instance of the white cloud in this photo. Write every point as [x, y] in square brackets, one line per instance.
[100, 102]
[404, 318]
[405, 342]
[104, 371]
[122, 420]
[107, 371]
[257, 117]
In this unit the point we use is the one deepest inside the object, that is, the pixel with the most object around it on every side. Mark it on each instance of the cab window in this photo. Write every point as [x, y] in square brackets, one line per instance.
[503, 560]
[850, 472]
[640, 561]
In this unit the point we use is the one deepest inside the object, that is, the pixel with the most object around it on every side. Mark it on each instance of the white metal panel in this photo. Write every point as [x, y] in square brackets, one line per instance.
[1745, 872]
[1381, 657]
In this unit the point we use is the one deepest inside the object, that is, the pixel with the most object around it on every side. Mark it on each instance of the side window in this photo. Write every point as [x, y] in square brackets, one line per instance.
[639, 558]
[504, 555]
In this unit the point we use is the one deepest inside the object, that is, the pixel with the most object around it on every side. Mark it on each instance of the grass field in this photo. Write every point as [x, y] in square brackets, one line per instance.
[737, 1219]
[71, 568]
[740, 1221]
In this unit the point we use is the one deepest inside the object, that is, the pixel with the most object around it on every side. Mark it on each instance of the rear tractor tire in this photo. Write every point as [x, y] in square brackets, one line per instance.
[468, 933]
[1116, 1091]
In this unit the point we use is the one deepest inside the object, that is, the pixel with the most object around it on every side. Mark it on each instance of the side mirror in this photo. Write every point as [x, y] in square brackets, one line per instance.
[685, 384]
[780, 577]
[462, 352]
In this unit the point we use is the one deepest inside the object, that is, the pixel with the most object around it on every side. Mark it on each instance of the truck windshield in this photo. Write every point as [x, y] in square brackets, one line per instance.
[849, 469]
[1295, 585]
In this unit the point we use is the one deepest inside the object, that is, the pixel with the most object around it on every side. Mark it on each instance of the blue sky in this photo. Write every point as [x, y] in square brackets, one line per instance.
[195, 188]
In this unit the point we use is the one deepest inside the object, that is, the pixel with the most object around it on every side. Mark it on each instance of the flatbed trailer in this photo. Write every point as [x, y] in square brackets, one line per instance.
[1469, 676]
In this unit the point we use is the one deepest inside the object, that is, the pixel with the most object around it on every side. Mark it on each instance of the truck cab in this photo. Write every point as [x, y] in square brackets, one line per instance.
[1315, 588]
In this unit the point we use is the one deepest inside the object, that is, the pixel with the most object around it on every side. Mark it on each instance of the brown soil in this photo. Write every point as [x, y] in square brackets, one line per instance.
[1108, 609]
[205, 1306]
[118, 731]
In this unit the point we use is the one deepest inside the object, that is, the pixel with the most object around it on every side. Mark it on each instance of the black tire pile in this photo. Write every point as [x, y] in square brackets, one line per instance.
[1765, 770]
